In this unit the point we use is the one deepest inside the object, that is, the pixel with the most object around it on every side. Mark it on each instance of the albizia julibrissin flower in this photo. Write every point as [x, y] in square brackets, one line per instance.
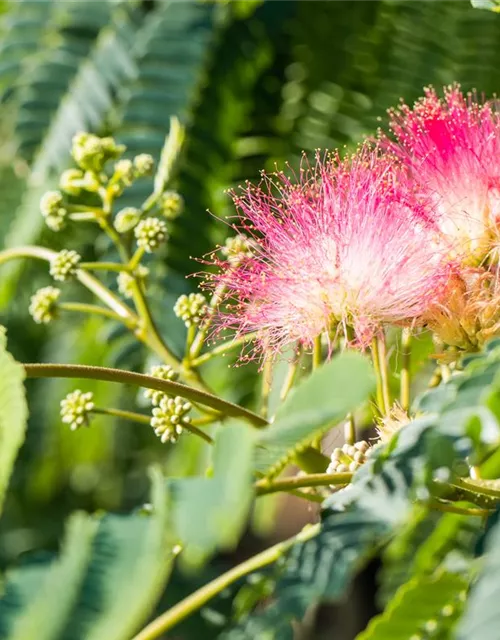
[348, 244]
[451, 147]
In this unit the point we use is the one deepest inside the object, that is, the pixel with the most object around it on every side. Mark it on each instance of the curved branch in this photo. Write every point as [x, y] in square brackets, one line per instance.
[199, 598]
[141, 380]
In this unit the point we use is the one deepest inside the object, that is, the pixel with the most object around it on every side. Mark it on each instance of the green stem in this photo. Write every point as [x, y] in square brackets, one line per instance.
[88, 281]
[136, 258]
[198, 432]
[290, 376]
[384, 374]
[451, 508]
[199, 598]
[191, 333]
[126, 415]
[220, 349]
[148, 382]
[93, 309]
[103, 266]
[139, 417]
[267, 380]
[481, 486]
[206, 420]
[317, 352]
[152, 336]
[376, 367]
[199, 340]
[263, 487]
[405, 398]
[383, 403]
[115, 237]
[350, 429]
[147, 334]
[110, 299]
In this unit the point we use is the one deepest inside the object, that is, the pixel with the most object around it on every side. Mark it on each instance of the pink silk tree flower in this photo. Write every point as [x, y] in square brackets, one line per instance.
[347, 244]
[451, 147]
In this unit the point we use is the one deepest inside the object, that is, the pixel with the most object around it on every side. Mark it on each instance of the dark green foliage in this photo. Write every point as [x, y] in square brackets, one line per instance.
[360, 519]
[255, 83]
[104, 583]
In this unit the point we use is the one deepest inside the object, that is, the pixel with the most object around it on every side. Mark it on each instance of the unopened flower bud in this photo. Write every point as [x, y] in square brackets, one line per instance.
[171, 204]
[143, 165]
[349, 457]
[164, 372]
[76, 408]
[125, 280]
[91, 152]
[191, 309]
[53, 210]
[63, 266]
[151, 233]
[127, 219]
[71, 181]
[124, 173]
[43, 304]
[237, 248]
[91, 182]
[170, 417]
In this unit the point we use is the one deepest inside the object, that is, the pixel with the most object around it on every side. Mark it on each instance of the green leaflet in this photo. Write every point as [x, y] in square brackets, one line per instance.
[103, 585]
[13, 413]
[426, 604]
[316, 404]
[57, 587]
[490, 5]
[482, 615]
[210, 513]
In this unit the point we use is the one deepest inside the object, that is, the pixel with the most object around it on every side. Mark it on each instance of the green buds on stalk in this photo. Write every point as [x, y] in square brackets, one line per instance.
[164, 372]
[72, 181]
[43, 305]
[53, 210]
[91, 152]
[125, 280]
[143, 165]
[171, 205]
[349, 457]
[170, 418]
[127, 219]
[123, 176]
[191, 309]
[151, 233]
[64, 265]
[236, 249]
[76, 408]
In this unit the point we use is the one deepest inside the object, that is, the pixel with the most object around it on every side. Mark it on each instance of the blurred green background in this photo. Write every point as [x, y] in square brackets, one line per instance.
[255, 82]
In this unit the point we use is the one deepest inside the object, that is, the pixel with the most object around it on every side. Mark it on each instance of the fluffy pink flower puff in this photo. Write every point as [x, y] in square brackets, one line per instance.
[451, 147]
[348, 245]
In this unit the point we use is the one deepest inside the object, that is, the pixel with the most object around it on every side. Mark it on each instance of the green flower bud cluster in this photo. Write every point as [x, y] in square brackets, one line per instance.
[74, 181]
[349, 457]
[171, 205]
[91, 152]
[76, 408]
[150, 233]
[43, 304]
[170, 418]
[163, 372]
[126, 219]
[191, 309]
[125, 280]
[143, 165]
[53, 210]
[237, 248]
[64, 265]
